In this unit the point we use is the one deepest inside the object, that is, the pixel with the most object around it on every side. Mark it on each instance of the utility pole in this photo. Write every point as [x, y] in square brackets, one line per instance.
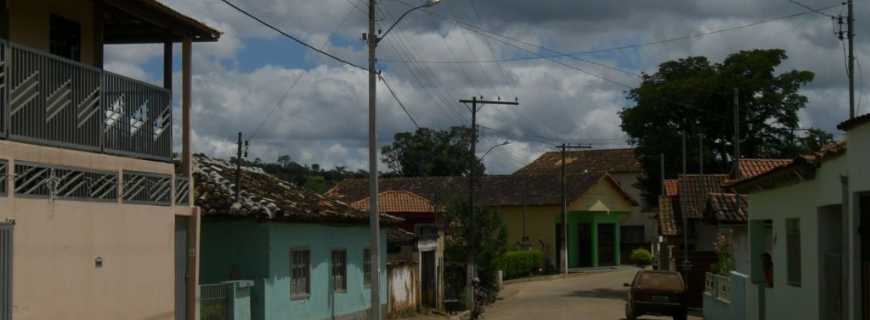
[470, 271]
[701, 153]
[851, 35]
[685, 164]
[374, 218]
[736, 127]
[662, 172]
[563, 256]
[241, 153]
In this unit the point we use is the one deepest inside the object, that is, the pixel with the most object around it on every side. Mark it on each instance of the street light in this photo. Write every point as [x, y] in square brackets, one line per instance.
[493, 148]
[374, 219]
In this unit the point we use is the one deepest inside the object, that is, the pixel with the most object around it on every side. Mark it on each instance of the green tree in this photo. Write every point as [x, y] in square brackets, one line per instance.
[483, 233]
[428, 152]
[696, 96]
[813, 141]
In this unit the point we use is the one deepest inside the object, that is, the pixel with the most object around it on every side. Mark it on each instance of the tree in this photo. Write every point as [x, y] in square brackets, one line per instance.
[284, 160]
[813, 141]
[428, 152]
[483, 233]
[695, 96]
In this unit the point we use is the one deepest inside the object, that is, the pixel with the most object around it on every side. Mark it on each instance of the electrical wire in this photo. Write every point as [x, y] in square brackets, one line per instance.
[290, 88]
[393, 93]
[628, 46]
[294, 38]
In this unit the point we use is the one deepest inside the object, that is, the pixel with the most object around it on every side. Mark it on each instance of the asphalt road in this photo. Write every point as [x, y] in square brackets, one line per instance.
[592, 296]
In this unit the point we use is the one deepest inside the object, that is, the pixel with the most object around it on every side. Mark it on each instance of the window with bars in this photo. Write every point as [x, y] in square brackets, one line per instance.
[793, 250]
[339, 270]
[367, 268]
[300, 277]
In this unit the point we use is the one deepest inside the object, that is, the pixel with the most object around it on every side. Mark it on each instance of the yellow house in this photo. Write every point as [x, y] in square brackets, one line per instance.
[530, 207]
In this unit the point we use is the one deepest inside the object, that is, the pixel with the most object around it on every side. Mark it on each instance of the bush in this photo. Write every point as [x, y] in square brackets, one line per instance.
[516, 264]
[641, 257]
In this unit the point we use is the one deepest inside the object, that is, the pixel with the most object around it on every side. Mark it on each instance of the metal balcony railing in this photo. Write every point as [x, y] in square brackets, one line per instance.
[45, 99]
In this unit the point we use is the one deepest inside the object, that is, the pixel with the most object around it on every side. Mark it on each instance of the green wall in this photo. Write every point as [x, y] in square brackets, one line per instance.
[593, 218]
[260, 252]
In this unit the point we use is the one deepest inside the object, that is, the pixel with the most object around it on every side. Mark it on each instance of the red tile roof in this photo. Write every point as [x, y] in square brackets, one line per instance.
[585, 161]
[667, 219]
[694, 190]
[804, 166]
[397, 202]
[723, 208]
[507, 190]
[672, 187]
[747, 168]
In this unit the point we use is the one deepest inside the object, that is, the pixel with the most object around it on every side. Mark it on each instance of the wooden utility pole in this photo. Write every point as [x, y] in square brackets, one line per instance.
[736, 126]
[850, 22]
[475, 103]
[241, 153]
[563, 256]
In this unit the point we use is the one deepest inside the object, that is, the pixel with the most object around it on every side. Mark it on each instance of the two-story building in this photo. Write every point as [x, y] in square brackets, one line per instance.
[97, 223]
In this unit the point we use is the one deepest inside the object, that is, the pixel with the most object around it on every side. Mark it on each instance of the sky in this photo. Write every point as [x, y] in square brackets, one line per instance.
[290, 100]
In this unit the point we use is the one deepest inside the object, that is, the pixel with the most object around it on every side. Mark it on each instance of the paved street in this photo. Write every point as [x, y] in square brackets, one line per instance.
[593, 296]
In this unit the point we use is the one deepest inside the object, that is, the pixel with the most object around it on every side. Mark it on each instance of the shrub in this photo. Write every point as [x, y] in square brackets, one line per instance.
[516, 264]
[641, 257]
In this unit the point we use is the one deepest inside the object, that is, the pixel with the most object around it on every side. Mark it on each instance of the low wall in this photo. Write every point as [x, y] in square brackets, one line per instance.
[725, 297]
[403, 281]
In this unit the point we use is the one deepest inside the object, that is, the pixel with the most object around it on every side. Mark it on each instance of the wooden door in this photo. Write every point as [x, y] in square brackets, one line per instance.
[428, 279]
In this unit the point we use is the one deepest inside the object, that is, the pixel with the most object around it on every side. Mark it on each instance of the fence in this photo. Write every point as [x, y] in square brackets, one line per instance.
[229, 300]
[50, 100]
[725, 296]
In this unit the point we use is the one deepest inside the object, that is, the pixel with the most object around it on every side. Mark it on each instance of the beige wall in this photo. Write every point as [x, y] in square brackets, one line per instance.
[29, 23]
[56, 244]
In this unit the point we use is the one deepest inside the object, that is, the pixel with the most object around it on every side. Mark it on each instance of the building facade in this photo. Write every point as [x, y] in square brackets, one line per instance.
[97, 222]
[305, 253]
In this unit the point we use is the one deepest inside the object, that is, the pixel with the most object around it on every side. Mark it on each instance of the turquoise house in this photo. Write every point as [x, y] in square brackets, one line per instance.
[304, 252]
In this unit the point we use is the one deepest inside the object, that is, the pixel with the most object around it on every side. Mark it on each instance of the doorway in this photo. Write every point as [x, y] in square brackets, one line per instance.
[606, 244]
[831, 262]
[428, 279]
[864, 233]
[584, 245]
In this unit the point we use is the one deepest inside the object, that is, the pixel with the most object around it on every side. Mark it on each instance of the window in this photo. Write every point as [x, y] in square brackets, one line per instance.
[793, 250]
[65, 38]
[339, 270]
[367, 268]
[300, 278]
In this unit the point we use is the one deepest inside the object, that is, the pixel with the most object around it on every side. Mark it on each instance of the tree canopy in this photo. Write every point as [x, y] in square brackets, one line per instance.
[428, 152]
[696, 96]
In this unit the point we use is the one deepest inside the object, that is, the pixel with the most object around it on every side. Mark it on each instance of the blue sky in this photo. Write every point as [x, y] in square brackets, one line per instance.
[248, 75]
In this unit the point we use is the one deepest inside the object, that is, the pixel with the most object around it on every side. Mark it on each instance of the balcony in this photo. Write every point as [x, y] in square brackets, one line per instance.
[48, 100]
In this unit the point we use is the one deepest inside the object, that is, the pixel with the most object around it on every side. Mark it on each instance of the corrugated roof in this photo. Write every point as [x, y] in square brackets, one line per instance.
[667, 217]
[266, 197]
[724, 208]
[396, 202]
[584, 161]
[694, 190]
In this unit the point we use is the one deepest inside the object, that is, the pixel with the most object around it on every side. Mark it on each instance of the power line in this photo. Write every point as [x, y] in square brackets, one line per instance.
[623, 47]
[290, 88]
[399, 101]
[294, 38]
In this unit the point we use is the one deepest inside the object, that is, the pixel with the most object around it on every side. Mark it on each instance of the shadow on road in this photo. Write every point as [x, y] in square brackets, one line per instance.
[604, 293]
